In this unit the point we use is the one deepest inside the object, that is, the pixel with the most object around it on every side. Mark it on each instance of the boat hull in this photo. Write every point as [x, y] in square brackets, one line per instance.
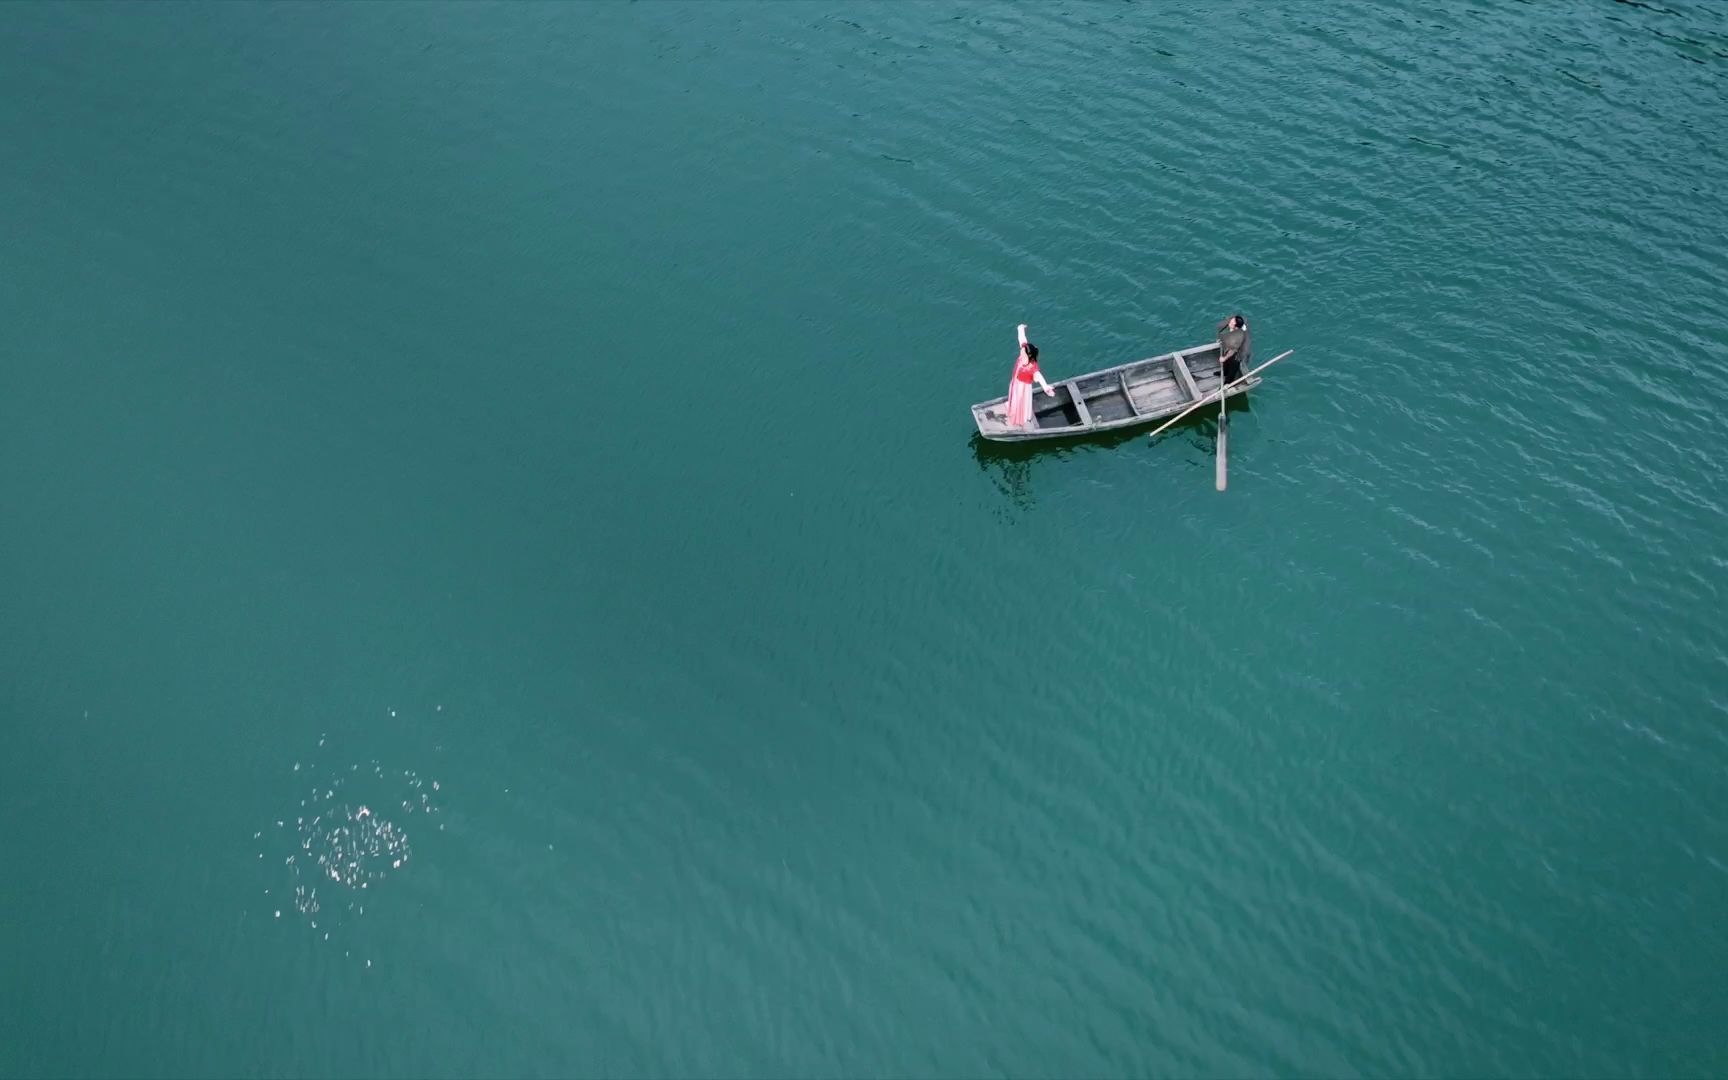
[1125, 396]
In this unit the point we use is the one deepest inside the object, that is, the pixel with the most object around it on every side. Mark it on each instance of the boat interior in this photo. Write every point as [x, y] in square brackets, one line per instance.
[1149, 388]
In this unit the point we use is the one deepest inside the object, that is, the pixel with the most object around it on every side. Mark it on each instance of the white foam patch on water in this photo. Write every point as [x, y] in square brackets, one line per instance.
[347, 835]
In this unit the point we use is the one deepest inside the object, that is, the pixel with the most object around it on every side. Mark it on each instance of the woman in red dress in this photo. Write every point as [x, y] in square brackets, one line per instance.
[1020, 384]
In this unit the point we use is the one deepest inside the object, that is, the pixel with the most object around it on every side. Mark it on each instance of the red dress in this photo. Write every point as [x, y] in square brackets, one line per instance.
[1020, 391]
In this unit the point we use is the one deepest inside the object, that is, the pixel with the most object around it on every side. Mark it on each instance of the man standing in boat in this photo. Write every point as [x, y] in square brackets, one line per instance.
[1235, 347]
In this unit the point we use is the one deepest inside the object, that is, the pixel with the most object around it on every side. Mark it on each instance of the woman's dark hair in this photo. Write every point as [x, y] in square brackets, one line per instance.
[1031, 352]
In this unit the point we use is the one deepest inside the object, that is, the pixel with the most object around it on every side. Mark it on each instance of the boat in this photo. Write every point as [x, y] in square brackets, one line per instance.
[1124, 396]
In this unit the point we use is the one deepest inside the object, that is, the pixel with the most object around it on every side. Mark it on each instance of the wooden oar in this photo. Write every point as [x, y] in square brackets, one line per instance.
[1223, 430]
[1207, 400]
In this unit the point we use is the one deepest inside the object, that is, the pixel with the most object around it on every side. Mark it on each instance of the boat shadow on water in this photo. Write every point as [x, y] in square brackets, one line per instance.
[1010, 463]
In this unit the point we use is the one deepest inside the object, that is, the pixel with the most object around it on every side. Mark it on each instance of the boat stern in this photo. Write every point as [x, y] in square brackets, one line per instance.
[990, 416]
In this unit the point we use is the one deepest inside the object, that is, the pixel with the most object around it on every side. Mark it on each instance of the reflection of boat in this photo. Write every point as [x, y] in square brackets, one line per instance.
[1118, 397]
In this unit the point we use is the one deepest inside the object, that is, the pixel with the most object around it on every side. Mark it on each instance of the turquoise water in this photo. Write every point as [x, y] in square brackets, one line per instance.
[520, 456]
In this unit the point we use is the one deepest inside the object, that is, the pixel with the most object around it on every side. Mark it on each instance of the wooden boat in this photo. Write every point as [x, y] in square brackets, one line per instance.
[1120, 397]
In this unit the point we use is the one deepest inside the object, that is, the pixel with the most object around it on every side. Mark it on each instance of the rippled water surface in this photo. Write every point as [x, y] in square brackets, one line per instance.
[496, 576]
